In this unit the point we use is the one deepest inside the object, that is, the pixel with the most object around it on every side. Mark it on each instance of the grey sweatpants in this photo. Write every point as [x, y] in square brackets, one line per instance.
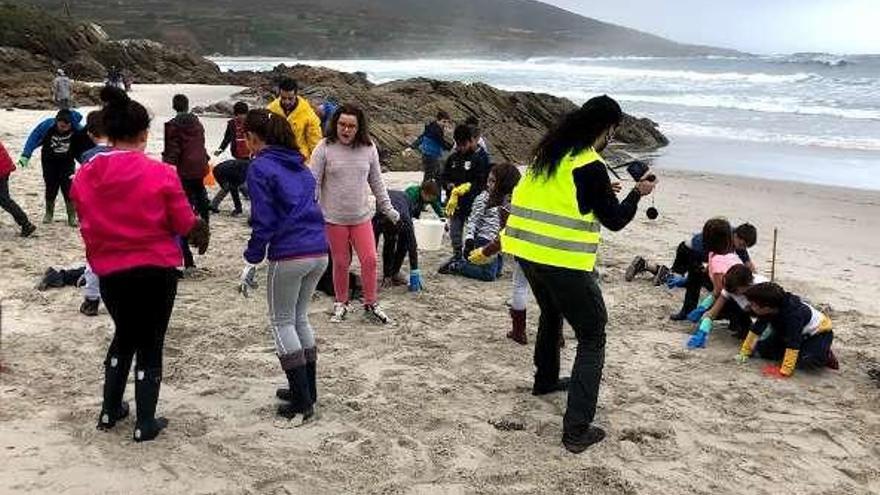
[291, 284]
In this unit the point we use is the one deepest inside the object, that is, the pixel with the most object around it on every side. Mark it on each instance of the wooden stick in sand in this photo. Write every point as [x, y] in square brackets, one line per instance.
[773, 259]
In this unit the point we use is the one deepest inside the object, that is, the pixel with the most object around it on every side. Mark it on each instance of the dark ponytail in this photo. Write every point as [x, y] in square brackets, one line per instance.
[577, 131]
[270, 128]
[506, 178]
[123, 118]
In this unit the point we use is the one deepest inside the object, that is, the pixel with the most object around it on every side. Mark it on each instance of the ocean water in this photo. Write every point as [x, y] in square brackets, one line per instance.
[807, 118]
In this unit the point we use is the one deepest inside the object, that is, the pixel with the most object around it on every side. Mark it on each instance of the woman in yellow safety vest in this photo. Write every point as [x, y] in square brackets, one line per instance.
[557, 211]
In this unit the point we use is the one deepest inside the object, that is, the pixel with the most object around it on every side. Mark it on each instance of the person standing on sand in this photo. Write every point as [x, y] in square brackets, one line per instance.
[304, 123]
[59, 151]
[6, 201]
[346, 166]
[185, 149]
[432, 143]
[288, 224]
[135, 253]
[231, 174]
[61, 91]
[553, 230]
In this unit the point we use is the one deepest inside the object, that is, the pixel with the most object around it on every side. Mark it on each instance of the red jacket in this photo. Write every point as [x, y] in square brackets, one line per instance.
[185, 146]
[7, 166]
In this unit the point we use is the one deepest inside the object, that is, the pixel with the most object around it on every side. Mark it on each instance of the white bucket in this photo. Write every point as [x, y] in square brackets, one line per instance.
[429, 234]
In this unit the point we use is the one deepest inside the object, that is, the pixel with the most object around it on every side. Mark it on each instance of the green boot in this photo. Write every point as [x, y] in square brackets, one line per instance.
[50, 212]
[71, 214]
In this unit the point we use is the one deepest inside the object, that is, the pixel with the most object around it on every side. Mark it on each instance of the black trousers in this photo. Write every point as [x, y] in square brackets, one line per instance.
[432, 168]
[140, 301]
[740, 320]
[57, 176]
[813, 352]
[9, 205]
[198, 199]
[231, 175]
[398, 243]
[574, 296]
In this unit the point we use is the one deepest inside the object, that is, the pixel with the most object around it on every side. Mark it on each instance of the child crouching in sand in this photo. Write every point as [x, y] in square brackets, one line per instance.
[718, 239]
[732, 304]
[788, 330]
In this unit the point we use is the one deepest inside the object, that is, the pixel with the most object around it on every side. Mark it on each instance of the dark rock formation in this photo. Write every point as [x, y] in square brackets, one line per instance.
[512, 122]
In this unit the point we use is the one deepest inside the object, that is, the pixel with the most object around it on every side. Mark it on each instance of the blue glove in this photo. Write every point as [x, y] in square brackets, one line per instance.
[415, 280]
[701, 336]
[23, 161]
[676, 281]
[704, 306]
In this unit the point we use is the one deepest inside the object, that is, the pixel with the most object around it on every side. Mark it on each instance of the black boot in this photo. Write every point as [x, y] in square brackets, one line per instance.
[146, 394]
[561, 385]
[311, 372]
[301, 402]
[218, 198]
[115, 377]
[577, 442]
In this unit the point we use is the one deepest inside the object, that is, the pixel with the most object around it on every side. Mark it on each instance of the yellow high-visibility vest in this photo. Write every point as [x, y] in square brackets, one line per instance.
[545, 225]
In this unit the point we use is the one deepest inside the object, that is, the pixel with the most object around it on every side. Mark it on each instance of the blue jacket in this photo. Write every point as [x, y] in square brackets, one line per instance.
[285, 215]
[431, 143]
[39, 133]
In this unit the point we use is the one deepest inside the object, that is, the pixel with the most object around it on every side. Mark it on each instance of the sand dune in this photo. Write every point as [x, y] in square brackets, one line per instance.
[439, 403]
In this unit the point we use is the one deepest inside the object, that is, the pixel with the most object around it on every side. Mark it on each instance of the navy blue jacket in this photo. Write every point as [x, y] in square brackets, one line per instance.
[285, 215]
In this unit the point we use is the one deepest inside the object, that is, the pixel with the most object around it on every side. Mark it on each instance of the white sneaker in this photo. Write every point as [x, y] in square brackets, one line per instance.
[340, 310]
[375, 314]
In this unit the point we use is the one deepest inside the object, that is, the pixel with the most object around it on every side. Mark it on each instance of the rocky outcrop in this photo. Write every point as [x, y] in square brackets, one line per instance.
[512, 122]
[33, 44]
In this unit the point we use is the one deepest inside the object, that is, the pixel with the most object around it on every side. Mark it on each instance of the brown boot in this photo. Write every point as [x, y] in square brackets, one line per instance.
[518, 333]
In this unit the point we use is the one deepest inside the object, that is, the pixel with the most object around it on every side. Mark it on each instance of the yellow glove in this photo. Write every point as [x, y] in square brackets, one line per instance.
[452, 204]
[748, 345]
[789, 361]
[478, 258]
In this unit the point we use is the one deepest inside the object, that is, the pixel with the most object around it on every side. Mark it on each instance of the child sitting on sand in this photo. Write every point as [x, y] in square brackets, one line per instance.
[718, 239]
[788, 330]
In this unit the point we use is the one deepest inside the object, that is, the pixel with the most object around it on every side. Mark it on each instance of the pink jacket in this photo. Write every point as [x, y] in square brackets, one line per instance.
[130, 208]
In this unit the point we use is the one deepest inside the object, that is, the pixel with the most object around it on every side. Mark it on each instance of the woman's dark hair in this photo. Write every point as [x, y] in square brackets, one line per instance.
[577, 131]
[95, 123]
[64, 115]
[110, 93]
[767, 295]
[737, 277]
[240, 108]
[180, 103]
[506, 178]
[717, 236]
[270, 128]
[362, 138]
[124, 119]
[748, 233]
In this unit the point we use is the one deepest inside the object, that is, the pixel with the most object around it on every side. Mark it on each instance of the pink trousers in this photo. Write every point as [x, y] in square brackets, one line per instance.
[360, 237]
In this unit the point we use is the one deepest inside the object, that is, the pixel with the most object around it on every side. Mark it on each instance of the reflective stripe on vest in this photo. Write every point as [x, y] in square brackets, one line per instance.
[545, 224]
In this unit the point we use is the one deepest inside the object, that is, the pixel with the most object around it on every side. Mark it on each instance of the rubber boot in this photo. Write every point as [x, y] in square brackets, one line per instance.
[518, 332]
[71, 214]
[311, 374]
[115, 377]
[302, 398]
[218, 198]
[49, 217]
[146, 394]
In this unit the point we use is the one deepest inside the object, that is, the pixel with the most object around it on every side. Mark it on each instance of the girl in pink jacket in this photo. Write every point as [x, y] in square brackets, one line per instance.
[132, 209]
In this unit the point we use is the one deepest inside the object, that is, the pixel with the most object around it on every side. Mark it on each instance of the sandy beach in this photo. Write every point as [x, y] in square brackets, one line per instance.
[439, 402]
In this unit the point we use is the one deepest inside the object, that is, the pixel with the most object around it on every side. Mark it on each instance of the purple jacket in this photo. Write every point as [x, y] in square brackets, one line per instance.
[285, 214]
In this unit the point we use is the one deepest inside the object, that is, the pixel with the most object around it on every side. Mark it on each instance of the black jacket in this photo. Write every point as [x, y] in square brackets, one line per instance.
[462, 168]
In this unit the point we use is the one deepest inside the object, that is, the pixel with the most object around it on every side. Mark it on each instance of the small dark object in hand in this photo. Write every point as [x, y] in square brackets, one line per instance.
[637, 171]
[652, 213]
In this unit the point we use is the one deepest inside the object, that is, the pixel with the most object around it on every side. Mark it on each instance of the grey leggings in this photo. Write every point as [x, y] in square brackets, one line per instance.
[291, 284]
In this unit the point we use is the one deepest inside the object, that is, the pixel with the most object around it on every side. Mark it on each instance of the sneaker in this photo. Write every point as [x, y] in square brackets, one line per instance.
[637, 266]
[661, 276]
[89, 307]
[374, 313]
[28, 229]
[680, 316]
[340, 310]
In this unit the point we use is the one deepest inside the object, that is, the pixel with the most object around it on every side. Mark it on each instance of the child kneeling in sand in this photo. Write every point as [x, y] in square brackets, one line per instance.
[483, 230]
[788, 330]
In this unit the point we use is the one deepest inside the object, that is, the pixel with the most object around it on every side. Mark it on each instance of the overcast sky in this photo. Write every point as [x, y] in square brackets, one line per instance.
[758, 26]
